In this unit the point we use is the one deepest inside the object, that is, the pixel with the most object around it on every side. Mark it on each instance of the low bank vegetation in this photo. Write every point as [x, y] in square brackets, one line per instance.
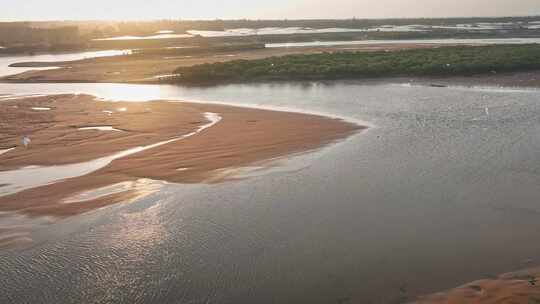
[443, 61]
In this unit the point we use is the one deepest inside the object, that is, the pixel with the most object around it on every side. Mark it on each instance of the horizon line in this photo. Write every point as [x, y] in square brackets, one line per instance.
[270, 19]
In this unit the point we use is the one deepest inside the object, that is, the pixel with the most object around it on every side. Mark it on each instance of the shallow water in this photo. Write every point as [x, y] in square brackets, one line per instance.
[437, 193]
[3, 151]
[271, 31]
[100, 128]
[21, 179]
[139, 185]
[410, 41]
[5, 61]
[153, 37]
[384, 28]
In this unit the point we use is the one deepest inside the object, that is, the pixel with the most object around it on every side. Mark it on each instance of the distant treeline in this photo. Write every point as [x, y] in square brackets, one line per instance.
[444, 61]
[108, 28]
[22, 34]
[71, 35]
[104, 29]
[354, 22]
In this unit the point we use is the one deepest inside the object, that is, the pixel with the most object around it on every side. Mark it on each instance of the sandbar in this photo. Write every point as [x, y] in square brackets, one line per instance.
[242, 137]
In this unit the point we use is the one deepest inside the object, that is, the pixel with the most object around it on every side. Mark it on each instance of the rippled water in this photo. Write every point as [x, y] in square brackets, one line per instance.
[440, 191]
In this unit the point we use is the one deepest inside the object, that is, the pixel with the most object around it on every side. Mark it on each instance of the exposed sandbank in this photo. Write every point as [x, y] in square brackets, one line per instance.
[521, 287]
[243, 136]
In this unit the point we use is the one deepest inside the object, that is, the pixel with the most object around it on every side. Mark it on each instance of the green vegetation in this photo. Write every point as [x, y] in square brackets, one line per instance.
[444, 61]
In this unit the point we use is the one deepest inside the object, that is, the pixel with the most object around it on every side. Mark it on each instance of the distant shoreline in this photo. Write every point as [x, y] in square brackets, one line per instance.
[452, 61]
[149, 69]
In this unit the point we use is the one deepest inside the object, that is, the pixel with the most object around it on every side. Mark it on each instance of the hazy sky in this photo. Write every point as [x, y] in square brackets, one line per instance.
[259, 9]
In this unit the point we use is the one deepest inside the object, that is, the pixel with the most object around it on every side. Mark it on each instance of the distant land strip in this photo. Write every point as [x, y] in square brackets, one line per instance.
[443, 61]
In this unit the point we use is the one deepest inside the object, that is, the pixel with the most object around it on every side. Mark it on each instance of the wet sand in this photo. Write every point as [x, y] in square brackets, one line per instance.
[56, 131]
[521, 287]
[244, 136]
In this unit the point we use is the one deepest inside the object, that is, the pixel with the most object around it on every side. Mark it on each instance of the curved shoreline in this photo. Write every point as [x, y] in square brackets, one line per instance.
[244, 136]
[463, 291]
[16, 180]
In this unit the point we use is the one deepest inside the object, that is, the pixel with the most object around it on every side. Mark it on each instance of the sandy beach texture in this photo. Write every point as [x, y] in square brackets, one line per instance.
[70, 129]
[521, 287]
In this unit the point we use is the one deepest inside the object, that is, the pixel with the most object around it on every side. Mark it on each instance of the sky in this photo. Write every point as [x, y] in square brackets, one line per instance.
[258, 9]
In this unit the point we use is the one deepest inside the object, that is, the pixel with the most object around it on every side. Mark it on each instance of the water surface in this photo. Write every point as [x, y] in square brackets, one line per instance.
[271, 31]
[21, 179]
[439, 192]
[152, 37]
[470, 27]
[5, 61]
